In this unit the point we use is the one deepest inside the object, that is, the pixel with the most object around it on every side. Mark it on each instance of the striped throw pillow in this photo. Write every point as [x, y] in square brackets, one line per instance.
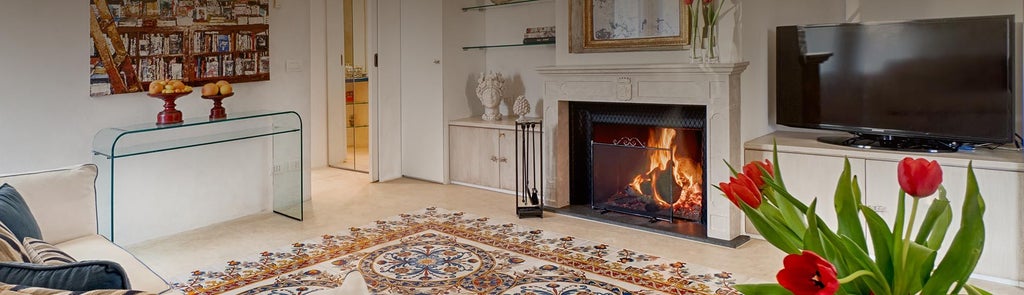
[28, 290]
[40, 252]
[10, 248]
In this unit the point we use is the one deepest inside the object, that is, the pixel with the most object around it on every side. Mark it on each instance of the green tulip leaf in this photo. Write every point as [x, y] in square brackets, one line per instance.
[936, 222]
[767, 289]
[897, 243]
[791, 215]
[731, 169]
[920, 262]
[847, 207]
[974, 290]
[775, 216]
[784, 194]
[959, 262]
[858, 259]
[812, 239]
[778, 170]
[929, 218]
[881, 239]
[776, 234]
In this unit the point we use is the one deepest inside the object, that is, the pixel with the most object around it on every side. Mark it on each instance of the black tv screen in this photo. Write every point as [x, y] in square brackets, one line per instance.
[944, 79]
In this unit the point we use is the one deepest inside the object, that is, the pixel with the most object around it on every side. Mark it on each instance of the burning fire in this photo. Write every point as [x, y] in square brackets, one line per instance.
[685, 178]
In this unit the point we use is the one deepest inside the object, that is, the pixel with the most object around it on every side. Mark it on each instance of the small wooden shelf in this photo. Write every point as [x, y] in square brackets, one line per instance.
[482, 7]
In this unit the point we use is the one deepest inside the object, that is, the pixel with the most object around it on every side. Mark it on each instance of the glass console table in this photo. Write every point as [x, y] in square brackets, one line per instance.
[284, 128]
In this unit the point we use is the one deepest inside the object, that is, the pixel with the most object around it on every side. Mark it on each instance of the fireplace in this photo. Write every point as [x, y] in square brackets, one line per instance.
[639, 161]
[699, 102]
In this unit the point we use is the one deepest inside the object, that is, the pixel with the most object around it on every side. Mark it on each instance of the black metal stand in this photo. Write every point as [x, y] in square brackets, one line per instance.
[529, 168]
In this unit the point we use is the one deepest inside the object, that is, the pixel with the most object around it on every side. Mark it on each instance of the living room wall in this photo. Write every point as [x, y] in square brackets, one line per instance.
[48, 119]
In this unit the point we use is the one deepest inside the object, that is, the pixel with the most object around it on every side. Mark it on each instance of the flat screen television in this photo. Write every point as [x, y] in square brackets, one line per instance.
[928, 84]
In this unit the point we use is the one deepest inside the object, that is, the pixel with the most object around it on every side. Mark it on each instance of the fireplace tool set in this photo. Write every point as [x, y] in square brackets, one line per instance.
[529, 171]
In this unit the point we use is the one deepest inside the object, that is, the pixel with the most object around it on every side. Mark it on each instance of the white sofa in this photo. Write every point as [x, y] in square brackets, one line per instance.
[63, 202]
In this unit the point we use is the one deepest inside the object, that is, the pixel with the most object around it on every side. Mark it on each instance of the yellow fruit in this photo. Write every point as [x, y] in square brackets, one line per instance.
[222, 83]
[168, 87]
[178, 84]
[210, 89]
[155, 87]
[188, 88]
[225, 89]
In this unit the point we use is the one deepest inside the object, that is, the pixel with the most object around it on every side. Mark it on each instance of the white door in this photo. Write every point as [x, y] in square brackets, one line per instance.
[336, 110]
[385, 95]
[422, 101]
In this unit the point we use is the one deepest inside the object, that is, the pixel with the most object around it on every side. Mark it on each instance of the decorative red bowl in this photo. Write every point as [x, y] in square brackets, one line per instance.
[218, 112]
[169, 115]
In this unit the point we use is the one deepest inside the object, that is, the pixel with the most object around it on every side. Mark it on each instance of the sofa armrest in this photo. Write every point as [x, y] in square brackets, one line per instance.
[63, 201]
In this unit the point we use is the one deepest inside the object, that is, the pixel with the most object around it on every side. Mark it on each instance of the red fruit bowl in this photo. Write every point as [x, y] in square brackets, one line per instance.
[218, 112]
[169, 115]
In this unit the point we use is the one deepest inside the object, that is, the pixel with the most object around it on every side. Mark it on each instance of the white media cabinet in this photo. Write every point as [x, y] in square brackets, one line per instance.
[811, 169]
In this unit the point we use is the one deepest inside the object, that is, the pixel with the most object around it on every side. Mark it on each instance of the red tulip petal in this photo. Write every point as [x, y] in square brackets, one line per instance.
[727, 190]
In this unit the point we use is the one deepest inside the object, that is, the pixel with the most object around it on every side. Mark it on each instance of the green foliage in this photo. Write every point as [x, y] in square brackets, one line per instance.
[901, 265]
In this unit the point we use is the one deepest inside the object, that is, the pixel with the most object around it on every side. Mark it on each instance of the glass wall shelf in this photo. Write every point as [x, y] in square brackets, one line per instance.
[283, 127]
[505, 45]
[482, 7]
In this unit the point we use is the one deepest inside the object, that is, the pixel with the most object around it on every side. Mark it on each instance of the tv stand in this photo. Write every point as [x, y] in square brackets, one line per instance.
[892, 143]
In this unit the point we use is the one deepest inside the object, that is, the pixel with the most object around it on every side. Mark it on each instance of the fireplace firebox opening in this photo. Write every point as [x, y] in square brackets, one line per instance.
[640, 163]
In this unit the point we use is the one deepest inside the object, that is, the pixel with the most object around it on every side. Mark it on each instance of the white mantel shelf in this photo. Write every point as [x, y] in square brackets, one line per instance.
[680, 68]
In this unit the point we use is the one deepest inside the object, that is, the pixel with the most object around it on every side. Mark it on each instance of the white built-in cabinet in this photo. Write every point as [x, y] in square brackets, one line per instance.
[811, 169]
[483, 153]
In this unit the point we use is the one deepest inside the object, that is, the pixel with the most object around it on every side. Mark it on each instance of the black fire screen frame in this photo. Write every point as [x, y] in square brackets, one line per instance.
[582, 116]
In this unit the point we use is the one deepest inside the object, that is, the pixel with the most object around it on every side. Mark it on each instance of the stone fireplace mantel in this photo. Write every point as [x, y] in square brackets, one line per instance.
[716, 86]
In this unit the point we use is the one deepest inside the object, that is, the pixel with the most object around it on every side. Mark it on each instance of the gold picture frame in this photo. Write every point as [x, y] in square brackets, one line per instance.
[613, 36]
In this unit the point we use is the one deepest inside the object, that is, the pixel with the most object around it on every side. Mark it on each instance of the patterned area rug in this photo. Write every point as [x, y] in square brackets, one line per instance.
[435, 251]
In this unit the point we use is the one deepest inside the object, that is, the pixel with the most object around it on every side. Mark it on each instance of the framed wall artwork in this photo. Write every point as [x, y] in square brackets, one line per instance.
[627, 25]
[195, 41]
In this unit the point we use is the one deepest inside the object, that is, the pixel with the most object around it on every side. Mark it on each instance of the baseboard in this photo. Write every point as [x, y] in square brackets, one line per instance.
[486, 188]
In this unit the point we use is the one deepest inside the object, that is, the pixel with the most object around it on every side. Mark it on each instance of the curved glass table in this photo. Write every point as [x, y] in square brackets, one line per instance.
[284, 128]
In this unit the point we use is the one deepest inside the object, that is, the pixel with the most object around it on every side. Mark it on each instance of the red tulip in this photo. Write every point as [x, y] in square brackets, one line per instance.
[708, 1]
[742, 188]
[688, 2]
[919, 177]
[755, 174]
[808, 273]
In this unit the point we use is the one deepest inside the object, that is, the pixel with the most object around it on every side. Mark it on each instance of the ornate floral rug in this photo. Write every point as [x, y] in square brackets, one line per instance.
[435, 251]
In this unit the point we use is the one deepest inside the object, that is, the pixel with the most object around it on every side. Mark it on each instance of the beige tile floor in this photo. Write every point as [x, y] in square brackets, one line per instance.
[342, 199]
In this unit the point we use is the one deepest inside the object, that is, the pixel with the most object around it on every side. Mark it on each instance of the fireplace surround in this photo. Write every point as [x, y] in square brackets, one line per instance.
[715, 87]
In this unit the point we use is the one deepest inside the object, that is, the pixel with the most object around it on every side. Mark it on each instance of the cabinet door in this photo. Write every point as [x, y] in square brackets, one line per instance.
[473, 155]
[1001, 191]
[508, 157]
[808, 177]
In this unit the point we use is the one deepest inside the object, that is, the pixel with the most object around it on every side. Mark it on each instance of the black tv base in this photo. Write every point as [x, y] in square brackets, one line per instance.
[903, 144]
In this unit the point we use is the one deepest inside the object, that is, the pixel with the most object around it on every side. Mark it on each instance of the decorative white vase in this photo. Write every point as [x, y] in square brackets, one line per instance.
[489, 90]
[521, 107]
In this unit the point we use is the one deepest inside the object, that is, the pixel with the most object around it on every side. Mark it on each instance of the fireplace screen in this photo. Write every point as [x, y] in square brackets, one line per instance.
[654, 172]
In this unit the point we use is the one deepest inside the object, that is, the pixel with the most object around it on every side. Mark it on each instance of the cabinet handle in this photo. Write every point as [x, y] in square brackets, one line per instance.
[502, 134]
[503, 160]
[494, 158]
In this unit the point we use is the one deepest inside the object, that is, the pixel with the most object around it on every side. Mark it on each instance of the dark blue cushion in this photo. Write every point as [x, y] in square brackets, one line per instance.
[78, 276]
[15, 214]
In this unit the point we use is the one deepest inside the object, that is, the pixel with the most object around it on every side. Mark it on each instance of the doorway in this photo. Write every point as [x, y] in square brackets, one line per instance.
[348, 97]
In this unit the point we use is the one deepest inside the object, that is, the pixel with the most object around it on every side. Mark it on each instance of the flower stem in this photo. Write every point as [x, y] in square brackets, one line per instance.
[855, 275]
[910, 226]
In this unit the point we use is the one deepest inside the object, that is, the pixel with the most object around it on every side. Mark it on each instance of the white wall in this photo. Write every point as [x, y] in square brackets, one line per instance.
[506, 25]
[48, 120]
